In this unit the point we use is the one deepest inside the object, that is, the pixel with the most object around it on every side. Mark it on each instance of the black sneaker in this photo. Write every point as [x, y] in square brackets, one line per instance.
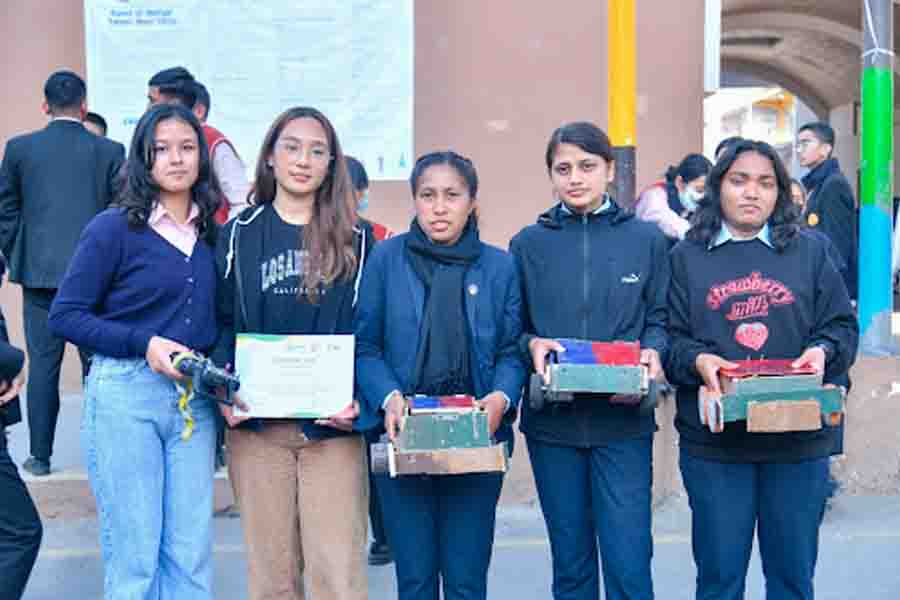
[380, 554]
[37, 466]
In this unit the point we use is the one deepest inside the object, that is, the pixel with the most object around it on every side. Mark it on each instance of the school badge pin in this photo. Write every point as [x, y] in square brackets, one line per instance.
[812, 220]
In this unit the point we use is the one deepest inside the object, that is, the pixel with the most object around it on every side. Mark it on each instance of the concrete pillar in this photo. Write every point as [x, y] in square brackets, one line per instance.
[877, 185]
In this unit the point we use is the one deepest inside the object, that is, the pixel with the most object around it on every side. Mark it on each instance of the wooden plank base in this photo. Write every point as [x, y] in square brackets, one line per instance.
[453, 461]
[779, 417]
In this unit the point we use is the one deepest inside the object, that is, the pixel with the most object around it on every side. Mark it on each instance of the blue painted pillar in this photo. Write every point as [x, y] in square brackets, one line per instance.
[877, 179]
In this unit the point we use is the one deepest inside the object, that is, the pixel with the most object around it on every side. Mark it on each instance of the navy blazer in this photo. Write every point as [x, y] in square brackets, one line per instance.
[389, 317]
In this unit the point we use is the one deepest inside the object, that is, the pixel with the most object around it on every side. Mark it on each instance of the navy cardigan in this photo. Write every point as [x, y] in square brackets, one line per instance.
[127, 284]
[389, 316]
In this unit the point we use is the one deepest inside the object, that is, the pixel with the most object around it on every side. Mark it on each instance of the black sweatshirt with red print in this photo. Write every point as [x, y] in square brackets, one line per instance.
[744, 299]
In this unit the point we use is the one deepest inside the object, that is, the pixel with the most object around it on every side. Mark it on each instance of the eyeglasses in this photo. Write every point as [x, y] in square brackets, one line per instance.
[294, 151]
[801, 145]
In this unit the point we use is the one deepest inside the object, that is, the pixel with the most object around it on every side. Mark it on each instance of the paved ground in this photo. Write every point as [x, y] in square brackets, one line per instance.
[858, 557]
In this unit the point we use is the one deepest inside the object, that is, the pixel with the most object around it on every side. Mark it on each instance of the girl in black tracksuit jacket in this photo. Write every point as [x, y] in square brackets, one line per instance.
[590, 270]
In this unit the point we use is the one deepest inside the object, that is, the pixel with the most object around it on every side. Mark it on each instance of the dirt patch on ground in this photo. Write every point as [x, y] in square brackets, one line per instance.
[871, 461]
[74, 500]
[63, 499]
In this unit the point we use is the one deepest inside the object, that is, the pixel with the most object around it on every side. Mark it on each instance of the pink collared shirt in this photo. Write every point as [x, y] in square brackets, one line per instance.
[181, 235]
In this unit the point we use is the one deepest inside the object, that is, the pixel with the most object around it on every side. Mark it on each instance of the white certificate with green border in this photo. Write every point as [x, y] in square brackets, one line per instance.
[294, 376]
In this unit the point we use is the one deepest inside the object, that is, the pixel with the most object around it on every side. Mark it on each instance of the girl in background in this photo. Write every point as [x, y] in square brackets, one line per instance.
[671, 202]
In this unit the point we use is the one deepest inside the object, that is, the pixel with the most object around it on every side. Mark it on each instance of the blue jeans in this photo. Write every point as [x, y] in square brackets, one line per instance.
[441, 527]
[783, 502]
[598, 496]
[154, 491]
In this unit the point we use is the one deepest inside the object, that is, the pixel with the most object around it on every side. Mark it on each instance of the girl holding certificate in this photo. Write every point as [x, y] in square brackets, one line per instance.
[141, 287]
[290, 264]
[440, 313]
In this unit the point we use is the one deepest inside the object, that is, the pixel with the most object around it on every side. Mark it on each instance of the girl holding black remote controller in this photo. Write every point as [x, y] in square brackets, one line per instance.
[140, 288]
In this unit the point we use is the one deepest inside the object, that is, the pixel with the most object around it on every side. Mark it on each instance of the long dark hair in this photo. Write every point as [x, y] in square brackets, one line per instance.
[328, 237]
[707, 221]
[139, 192]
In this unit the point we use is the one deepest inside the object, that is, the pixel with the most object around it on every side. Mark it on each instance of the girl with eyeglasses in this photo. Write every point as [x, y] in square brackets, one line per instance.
[290, 264]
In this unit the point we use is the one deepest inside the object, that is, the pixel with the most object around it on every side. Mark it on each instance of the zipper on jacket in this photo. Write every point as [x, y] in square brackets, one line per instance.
[582, 419]
[586, 277]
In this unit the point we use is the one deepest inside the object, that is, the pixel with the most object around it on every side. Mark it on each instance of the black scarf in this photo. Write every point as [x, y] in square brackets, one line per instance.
[813, 179]
[442, 359]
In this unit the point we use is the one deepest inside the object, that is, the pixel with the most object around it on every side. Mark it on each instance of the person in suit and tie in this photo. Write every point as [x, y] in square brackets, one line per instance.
[52, 182]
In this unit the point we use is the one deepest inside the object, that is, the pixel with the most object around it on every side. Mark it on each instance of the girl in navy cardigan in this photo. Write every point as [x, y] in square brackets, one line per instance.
[458, 335]
[140, 287]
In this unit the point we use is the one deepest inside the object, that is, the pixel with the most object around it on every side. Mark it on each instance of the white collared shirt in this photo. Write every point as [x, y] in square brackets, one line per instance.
[725, 235]
[181, 235]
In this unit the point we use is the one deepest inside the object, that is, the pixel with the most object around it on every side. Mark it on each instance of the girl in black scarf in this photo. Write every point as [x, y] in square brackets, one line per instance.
[439, 312]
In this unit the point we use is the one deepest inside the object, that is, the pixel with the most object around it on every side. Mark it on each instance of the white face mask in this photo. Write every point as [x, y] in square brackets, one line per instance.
[689, 198]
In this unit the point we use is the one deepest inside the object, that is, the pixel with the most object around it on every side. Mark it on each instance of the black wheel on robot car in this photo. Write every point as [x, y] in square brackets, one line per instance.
[650, 401]
[379, 458]
[536, 392]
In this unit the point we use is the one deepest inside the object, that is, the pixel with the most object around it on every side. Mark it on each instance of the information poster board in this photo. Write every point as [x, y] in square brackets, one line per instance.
[351, 59]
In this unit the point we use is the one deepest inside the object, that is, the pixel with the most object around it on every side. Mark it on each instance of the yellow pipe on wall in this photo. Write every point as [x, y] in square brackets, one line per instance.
[621, 72]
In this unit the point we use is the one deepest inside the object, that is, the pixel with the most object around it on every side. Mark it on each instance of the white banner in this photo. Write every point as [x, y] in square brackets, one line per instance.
[351, 59]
